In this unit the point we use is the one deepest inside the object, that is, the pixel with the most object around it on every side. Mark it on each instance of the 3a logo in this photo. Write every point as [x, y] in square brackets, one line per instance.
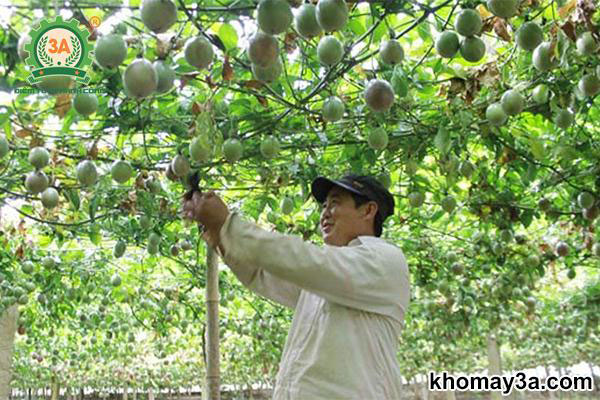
[58, 48]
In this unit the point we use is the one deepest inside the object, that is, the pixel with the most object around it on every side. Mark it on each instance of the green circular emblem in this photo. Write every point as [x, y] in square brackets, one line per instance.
[58, 47]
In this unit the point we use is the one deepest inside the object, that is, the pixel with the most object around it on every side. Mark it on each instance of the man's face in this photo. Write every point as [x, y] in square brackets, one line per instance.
[340, 220]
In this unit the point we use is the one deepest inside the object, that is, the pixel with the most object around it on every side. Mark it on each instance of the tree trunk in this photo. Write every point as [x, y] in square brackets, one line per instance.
[8, 328]
[125, 393]
[212, 384]
[55, 389]
[425, 389]
[550, 393]
[150, 394]
[494, 363]
[450, 395]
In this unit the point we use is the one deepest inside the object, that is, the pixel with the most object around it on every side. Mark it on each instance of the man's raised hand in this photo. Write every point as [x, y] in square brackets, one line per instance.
[209, 210]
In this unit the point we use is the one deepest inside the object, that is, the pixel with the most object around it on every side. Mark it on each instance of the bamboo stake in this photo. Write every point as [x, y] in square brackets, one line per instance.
[8, 328]
[212, 389]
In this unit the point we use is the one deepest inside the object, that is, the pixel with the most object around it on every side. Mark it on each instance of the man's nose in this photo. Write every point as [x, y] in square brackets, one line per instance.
[325, 213]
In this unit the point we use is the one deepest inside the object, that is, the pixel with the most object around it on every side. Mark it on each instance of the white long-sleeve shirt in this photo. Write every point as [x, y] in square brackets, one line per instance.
[349, 308]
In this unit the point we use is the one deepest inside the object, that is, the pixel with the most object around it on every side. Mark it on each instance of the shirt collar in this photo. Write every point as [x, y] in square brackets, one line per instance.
[364, 239]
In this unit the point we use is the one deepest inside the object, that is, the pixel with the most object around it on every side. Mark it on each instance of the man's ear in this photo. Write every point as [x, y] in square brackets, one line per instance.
[371, 209]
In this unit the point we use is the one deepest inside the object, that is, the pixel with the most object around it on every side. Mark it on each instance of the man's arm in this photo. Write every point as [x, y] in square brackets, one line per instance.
[212, 213]
[262, 282]
[370, 278]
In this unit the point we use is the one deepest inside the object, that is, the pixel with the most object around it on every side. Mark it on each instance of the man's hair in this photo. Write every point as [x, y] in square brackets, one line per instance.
[378, 221]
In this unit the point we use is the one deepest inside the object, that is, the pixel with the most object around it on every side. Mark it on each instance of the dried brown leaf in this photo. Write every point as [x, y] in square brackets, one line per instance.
[584, 14]
[62, 104]
[487, 74]
[488, 25]
[35, 142]
[21, 227]
[185, 78]
[443, 90]
[569, 29]
[23, 133]
[210, 83]
[93, 151]
[567, 9]
[262, 100]
[139, 181]
[501, 29]
[227, 70]
[456, 87]
[290, 42]
[20, 252]
[163, 45]
[164, 205]
[253, 84]
[196, 108]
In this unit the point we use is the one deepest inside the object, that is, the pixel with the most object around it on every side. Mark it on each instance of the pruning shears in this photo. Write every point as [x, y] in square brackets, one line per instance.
[193, 182]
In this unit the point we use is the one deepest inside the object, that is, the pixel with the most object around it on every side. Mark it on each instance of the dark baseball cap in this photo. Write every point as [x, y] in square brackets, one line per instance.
[363, 185]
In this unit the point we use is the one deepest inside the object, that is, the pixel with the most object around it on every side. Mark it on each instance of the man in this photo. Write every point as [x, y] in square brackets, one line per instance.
[349, 296]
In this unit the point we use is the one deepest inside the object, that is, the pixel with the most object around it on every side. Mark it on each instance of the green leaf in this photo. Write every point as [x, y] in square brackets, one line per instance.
[379, 32]
[371, 156]
[228, 36]
[424, 32]
[44, 241]
[261, 206]
[8, 130]
[541, 270]
[527, 218]
[95, 236]
[93, 206]
[399, 82]
[436, 216]
[562, 48]
[438, 67]
[73, 198]
[5, 114]
[120, 141]
[442, 140]
[26, 208]
[68, 121]
[356, 26]
[374, 11]
[537, 148]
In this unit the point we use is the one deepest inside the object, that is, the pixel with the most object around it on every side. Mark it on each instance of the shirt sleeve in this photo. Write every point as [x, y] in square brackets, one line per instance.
[260, 281]
[372, 276]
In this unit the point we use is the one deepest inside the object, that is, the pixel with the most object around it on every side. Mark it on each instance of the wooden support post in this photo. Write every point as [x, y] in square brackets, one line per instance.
[212, 385]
